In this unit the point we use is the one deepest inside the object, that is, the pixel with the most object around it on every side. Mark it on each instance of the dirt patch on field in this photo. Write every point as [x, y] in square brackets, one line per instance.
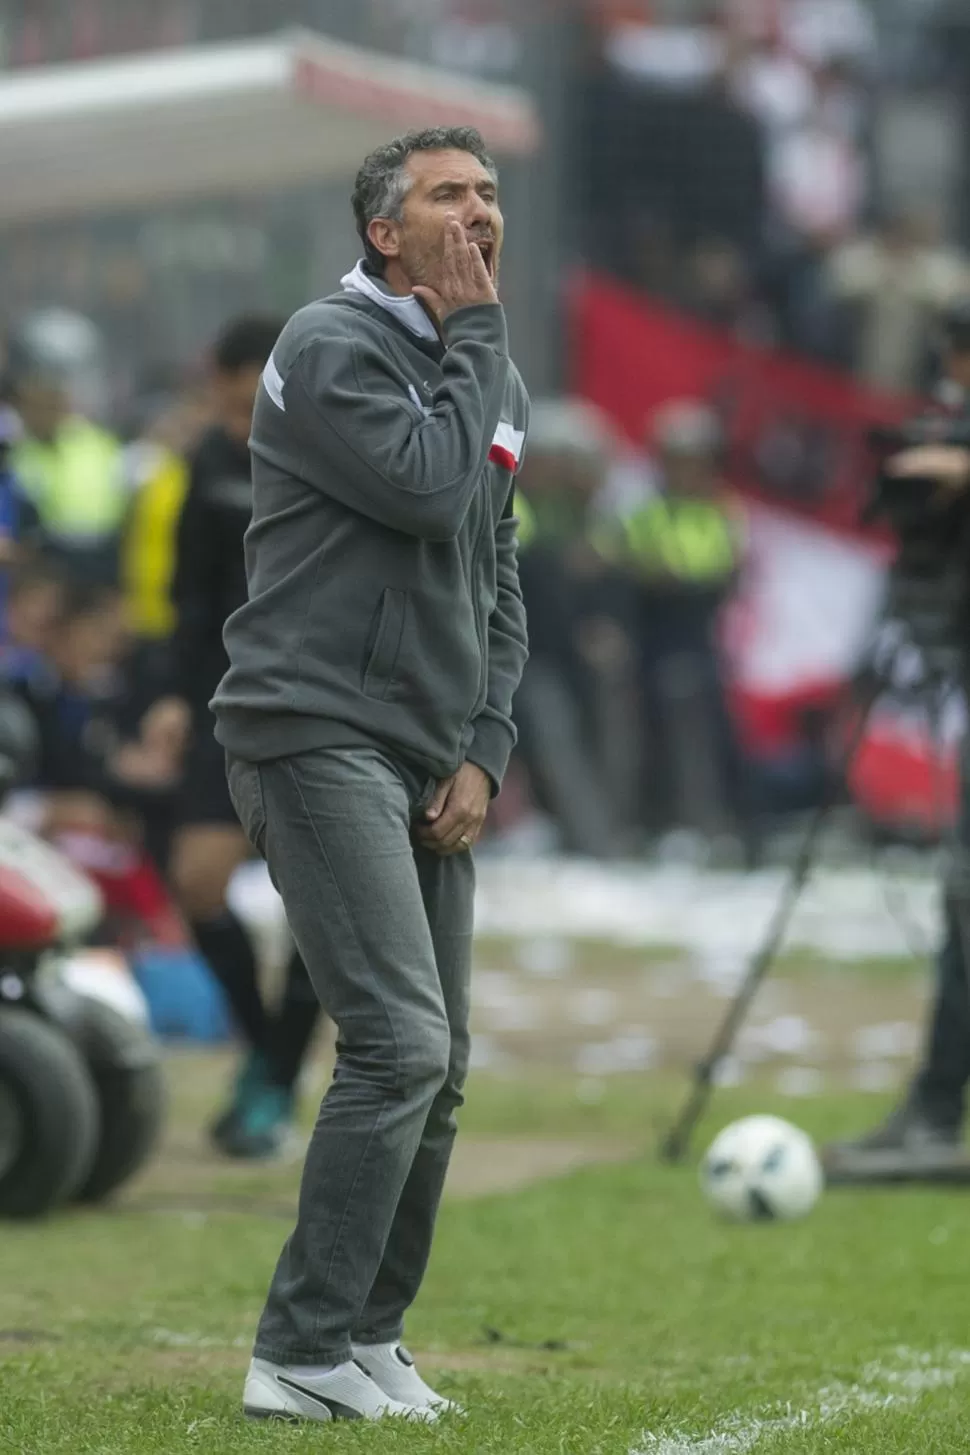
[483, 1165]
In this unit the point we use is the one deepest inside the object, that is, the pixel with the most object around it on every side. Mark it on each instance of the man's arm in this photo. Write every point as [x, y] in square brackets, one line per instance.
[507, 653]
[366, 444]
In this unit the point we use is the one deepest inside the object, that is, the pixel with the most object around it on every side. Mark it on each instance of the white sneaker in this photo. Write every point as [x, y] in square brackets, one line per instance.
[392, 1367]
[275, 1392]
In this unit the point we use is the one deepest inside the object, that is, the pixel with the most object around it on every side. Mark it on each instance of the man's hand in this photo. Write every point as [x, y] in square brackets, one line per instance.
[948, 464]
[454, 817]
[464, 279]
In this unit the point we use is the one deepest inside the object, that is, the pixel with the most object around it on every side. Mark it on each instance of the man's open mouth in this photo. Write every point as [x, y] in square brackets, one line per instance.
[487, 249]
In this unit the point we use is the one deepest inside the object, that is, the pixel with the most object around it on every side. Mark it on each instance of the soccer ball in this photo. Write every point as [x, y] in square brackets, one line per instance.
[760, 1168]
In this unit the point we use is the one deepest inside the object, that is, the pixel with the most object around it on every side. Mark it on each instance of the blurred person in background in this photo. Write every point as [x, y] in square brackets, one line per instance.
[19, 521]
[680, 550]
[560, 575]
[922, 1138]
[67, 681]
[208, 844]
[672, 157]
[165, 422]
[162, 435]
[893, 286]
[817, 188]
[718, 288]
[32, 605]
[70, 468]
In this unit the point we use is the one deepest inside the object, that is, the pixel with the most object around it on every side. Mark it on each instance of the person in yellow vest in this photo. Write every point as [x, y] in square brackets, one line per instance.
[71, 469]
[685, 539]
[681, 548]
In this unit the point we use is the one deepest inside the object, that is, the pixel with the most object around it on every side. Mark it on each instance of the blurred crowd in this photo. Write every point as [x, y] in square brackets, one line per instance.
[123, 557]
[733, 171]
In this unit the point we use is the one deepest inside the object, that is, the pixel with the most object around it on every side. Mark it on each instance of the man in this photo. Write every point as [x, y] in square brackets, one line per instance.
[209, 845]
[366, 715]
[923, 1136]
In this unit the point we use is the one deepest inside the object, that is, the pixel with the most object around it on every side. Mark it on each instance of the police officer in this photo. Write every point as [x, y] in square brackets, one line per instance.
[923, 1136]
[70, 469]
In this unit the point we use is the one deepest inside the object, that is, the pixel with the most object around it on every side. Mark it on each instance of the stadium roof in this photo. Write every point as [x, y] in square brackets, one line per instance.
[222, 119]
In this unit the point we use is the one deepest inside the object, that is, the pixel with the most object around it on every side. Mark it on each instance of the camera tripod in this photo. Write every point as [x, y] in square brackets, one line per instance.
[878, 675]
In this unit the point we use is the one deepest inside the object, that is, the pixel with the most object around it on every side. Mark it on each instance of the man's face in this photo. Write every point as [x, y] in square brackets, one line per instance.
[442, 183]
[235, 395]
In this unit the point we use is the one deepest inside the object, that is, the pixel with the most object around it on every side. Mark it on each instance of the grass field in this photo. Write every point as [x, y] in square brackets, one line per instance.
[600, 1312]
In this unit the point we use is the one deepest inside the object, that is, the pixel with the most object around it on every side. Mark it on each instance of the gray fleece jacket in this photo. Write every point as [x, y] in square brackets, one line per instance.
[384, 603]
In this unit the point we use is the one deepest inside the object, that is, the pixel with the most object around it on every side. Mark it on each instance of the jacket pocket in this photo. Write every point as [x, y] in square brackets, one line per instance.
[381, 660]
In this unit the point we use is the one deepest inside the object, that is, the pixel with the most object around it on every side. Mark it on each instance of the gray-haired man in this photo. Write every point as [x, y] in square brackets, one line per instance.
[366, 718]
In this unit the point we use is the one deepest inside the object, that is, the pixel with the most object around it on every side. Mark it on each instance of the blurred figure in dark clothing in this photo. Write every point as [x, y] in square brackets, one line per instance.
[68, 682]
[19, 521]
[558, 706]
[717, 288]
[680, 550]
[209, 845]
[662, 163]
[33, 604]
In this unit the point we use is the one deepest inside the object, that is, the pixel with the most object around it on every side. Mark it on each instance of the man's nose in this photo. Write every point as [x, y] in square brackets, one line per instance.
[477, 211]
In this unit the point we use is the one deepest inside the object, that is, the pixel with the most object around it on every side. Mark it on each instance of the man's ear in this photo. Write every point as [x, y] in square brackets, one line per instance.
[384, 235]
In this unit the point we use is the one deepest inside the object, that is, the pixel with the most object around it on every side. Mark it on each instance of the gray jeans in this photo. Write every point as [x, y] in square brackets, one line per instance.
[385, 930]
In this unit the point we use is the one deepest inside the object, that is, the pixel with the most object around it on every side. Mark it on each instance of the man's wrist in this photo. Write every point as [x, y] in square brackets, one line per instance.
[477, 323]
[491, 748]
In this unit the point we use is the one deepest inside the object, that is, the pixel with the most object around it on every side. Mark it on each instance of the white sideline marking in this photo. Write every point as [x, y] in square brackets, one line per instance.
[880, 1387]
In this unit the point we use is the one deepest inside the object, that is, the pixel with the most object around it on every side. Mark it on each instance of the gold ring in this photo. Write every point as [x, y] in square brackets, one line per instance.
[464, 839]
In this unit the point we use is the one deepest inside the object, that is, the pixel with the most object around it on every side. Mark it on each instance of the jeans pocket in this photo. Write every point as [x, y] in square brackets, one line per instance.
[246, 792]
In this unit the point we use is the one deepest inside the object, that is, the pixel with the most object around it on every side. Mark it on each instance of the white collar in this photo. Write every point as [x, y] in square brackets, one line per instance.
[406, 310]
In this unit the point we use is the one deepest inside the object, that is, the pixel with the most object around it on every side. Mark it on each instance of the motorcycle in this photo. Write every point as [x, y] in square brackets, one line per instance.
[82, 1091]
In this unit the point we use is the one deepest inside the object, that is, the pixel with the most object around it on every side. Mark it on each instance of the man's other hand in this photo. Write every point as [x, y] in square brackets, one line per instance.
[454, 817]
[464, 279]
